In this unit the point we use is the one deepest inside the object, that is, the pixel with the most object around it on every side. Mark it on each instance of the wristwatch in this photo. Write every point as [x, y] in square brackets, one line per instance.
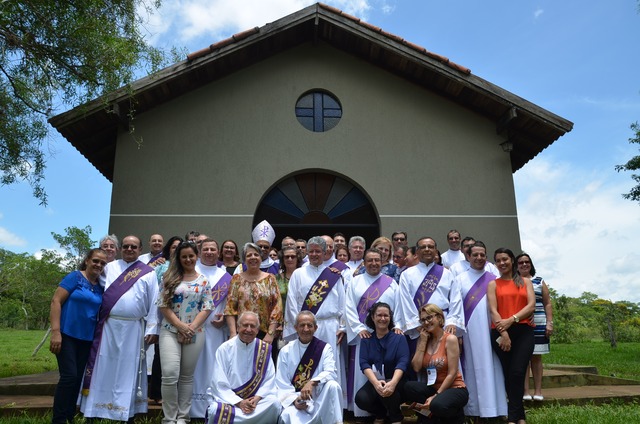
[270, 332]
[516, 319]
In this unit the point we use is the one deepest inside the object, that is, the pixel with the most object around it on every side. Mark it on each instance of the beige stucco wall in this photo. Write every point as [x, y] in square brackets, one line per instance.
[209, 156]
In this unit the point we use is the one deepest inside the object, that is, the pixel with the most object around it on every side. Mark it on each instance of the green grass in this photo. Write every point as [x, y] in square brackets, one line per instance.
[16, 347]
[621, 362]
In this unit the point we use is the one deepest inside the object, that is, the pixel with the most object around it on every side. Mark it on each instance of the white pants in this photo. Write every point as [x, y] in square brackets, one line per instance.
[178, 364]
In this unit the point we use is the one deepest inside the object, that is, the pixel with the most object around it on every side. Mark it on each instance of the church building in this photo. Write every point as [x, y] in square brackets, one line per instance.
[317, 122]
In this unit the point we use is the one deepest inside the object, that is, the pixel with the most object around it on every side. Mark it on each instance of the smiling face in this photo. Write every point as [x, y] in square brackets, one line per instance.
[156, 243]
[209, 253]
[229, 250]
[95, 264]
[453, 238]
[342, 255]
[385, 251]
[339, 240]
[188, 258]
[431, 321]
[478, 258]
[290, 258]
[504, 264]
[329, 252]
[524, 266]
[131, 248]
[356, 250]
[253, 259]
[248, 327]
[381, 318]
[110, 248]
[427, 250]
[316, 255]
[264, 248]
[399, 258]
[372, 263]
[305, 327]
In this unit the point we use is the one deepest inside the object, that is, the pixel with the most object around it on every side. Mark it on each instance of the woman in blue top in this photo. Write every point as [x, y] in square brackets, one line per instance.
[384, 358]
[74, 314]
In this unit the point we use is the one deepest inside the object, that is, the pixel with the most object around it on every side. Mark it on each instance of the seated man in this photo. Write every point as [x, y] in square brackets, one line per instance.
[306, 377]
[243, 384]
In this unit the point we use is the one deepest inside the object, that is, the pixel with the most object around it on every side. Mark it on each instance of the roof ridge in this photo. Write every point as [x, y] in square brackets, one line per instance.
[255, 30]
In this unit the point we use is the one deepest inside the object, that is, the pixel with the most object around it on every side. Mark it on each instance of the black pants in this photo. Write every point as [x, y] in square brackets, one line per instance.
[369, 400]
[447, 406]
[514, 366]
[72, 360]
[155, 380]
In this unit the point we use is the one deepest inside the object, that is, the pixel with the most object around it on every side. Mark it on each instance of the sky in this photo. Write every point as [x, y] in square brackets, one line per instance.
[577, 59]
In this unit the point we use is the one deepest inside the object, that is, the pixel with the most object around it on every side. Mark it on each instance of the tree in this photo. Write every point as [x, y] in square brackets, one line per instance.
[76, 242]
[633, 165]
[59, 54]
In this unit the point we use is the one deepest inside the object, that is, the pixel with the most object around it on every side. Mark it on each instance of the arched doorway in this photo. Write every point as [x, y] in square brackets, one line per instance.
[315, 203]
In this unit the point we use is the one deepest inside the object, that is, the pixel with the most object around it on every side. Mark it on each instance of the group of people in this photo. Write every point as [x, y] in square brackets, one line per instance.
[237, 335]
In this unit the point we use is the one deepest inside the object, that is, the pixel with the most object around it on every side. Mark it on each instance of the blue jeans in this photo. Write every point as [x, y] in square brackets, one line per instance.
[72, 360]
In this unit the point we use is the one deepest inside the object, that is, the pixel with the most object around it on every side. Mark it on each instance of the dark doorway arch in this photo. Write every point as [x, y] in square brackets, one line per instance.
[315, 203]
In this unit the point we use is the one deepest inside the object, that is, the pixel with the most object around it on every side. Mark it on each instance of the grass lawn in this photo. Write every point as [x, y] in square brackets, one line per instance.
[16, 347]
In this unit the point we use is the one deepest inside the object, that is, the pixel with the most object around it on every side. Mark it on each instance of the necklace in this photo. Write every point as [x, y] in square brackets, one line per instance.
[434, 346]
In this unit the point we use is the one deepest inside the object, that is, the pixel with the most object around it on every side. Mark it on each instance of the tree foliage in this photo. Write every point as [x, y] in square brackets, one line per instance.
[76, 242]
[633, 165]
[61, 54]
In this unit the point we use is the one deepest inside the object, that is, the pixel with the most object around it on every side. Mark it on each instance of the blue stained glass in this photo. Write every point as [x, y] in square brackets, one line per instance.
[323, 109]
[353, 200]
[278, 200]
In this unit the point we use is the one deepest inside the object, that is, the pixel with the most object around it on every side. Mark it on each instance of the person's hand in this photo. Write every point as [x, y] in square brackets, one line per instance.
[55, 344]
[334, 270]
[307, 391]
[398, 331]
[248, 405]
[151, 339]
[451, 329]
[364, 334]
[300, 404]
[389, 389]
[504, 324]
[427, 403]
[379, 386]
[340, 335]
[218, 321]
[549, 329]
[268, 338]
[424, 335]
[505, 342]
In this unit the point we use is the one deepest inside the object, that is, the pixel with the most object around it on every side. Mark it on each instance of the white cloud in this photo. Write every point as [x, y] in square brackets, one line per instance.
[537, 13]
[7, 238]
[579, 230]
[186, 20]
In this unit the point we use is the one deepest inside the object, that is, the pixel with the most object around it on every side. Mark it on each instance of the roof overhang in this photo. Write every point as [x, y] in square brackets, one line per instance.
[93, 127]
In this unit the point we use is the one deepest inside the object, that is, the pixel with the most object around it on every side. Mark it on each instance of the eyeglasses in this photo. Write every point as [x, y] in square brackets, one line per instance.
[290, 256]
[397, 257]
[229, 247]
[428, 318]
[129, 246]
[399, 239]
[524, 262]
[98, 261]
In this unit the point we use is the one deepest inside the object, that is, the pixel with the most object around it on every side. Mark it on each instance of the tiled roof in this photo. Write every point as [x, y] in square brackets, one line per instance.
[242, 35]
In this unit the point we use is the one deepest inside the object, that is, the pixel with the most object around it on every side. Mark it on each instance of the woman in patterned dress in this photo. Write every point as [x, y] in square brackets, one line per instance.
[543, 320]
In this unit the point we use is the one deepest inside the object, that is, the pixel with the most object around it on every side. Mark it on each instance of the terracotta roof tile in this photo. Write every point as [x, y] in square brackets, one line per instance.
[242, 35]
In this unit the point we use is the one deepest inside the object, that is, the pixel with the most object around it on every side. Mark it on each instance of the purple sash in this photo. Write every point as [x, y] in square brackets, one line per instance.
[120, 286]
[225, 414]
[152, 262]
[372, 294]
[428, 286]
[273, 269]
[475, 294]
[261, 356]
[308, 363]
[320, 290]
[339, 265]
[220, 290]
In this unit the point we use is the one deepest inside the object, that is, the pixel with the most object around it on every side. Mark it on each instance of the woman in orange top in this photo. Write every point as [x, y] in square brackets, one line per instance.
[444, 394]
[511, 304]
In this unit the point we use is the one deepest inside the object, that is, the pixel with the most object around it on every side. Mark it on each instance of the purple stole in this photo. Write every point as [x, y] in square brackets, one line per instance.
[225, 414]
[308, 363]
[319, 290]
[120, 286]
[475, 294]
[152, 262]
[339, 265]
[273, 269]
[220, 290]
[428, 286]
[372, 294]
[261, 356]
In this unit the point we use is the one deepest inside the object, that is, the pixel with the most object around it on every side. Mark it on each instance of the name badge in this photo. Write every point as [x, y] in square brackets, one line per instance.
[431, 376]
